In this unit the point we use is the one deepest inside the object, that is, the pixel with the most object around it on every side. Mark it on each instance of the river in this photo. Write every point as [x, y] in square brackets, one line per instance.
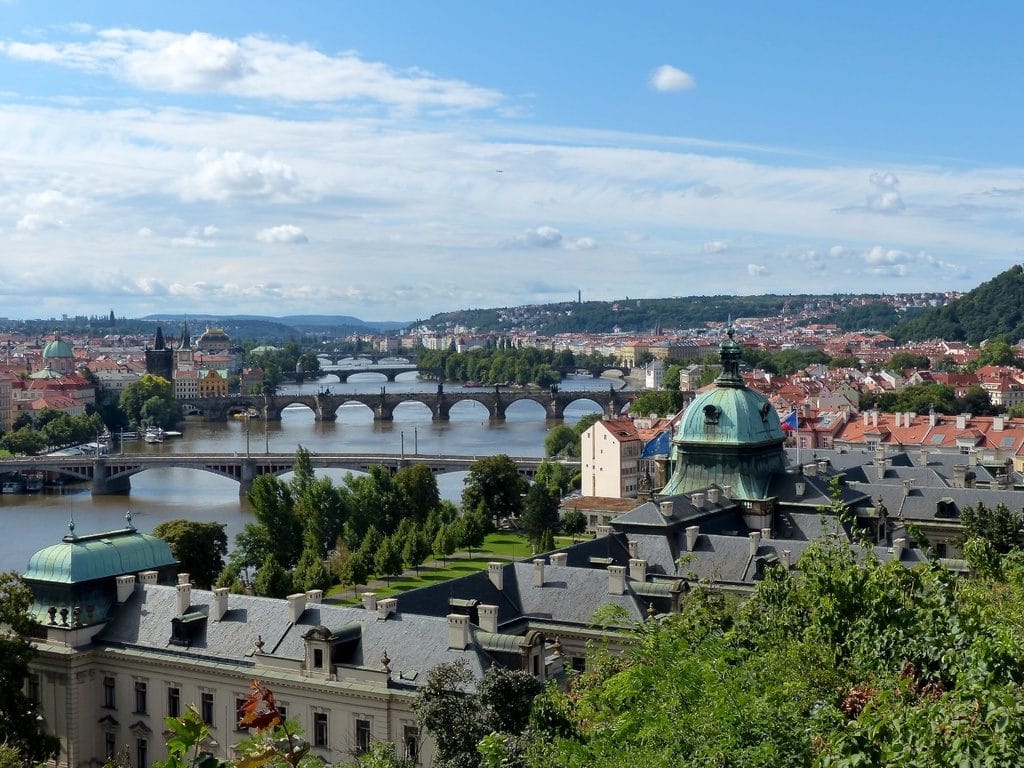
[34, 521]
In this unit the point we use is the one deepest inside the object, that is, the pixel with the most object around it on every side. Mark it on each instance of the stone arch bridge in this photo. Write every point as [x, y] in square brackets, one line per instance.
[383, 404]
[110, 474]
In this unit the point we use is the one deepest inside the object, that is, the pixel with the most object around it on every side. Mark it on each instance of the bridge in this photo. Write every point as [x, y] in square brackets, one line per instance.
[391, 372]
[110, 474]
[325, 405]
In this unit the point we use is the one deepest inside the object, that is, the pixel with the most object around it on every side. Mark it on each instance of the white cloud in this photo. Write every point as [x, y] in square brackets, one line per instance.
[227, 175]
[756, 270]
[541, 237]
[284, 233]
[669, 78]
[886, 197]
[253, 67]
[715, 246]
[581, 244]
[144, 232]
[37, 222]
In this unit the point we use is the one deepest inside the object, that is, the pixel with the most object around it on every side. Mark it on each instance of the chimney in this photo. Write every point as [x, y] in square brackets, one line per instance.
[805, 410]
[220, 603]
[184, 598]
[933, 417]
[898, 545]
[125, 587]
[787, 559]
[713, 495]
[369, 601]
[998, 423]
[755, 542]
[638, 569]
[496, 574]
[458, 631]
[148, 577]
[538, 572]
[800, 486]
[766, 533]
[634, 548]
[386, 607]
[727, 491]
[296, 605]
[616, 579]
[697, 499]
[604, 530]
[880, 466]
[924, 456]
[184, 579]
[488, 618]
[560, 558]
[692, 532]
[874, 417]
[961, 421]
[810, 469]
[314, 596]
[909, 418]
[665, 507]
[865, 417]
[823, 466]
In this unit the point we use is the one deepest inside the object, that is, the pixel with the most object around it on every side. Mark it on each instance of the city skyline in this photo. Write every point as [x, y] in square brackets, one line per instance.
[391, 162]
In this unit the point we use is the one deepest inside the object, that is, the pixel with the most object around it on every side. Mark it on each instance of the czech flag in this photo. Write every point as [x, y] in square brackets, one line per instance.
[789, 423]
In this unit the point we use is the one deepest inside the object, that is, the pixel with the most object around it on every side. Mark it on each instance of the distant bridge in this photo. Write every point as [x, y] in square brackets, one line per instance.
[391, 372]
[109, 474]
[325, 406]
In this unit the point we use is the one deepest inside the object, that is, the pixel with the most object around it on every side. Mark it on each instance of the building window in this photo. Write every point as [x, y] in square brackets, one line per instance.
[141, 753]
[140, 697]
[411, 740]
[108, 693]
[110, 745]
[239, 714]
[320, 729]
[284, 712]
[318, 658]
[207, 707]
[362, 735]
[174, 702]
[33, 688]
[579, 663]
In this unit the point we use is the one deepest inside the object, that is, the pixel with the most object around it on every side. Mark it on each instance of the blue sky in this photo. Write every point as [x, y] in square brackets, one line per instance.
[391, 160]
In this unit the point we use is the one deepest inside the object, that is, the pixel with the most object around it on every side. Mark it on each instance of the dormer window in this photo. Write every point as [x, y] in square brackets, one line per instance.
[711, 414]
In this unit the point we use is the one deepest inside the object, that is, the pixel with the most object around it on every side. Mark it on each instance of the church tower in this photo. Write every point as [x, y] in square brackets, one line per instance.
[160, 359]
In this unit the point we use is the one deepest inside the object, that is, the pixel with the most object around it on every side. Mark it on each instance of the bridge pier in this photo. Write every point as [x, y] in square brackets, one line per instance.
[102, 485]
[248, 474]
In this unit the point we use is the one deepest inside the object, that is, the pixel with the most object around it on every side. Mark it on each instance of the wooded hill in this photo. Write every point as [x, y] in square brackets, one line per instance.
[995, 309]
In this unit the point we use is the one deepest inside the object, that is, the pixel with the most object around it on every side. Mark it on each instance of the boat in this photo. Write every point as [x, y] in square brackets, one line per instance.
[33, 483]
[12, 485]
[154, 435]
[133, 435]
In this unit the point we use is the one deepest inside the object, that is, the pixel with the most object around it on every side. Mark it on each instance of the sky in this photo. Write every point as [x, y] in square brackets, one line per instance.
[393, 160]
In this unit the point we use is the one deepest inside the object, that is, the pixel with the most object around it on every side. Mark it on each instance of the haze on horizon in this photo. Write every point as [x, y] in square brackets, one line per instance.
[396, 160]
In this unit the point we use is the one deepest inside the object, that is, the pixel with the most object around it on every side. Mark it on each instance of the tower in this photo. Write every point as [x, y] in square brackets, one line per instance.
[160, 359]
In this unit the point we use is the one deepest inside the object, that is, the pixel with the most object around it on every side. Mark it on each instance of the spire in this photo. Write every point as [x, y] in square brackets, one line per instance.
[159, 342]
[185, 341]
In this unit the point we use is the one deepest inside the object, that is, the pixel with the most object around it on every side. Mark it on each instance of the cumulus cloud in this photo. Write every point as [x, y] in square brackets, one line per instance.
[756, 270]
[886, 196]
[812, 260]
[227, 175]
[541, 237]
[253, 67]
[37, 222]
[284, 233]
[715, 246]
[581, 244]
[669, 78]
[197, 237]
[145, 232]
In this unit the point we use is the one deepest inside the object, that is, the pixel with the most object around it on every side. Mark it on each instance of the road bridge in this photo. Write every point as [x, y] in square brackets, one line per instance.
[325, 404]
[110, 474]
[390, 372]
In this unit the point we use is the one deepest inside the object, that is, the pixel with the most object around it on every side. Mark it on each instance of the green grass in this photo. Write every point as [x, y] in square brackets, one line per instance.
[497, 546]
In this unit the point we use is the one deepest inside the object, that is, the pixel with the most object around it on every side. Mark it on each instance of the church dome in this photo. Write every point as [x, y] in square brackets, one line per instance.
[80, 559]
[58, 349]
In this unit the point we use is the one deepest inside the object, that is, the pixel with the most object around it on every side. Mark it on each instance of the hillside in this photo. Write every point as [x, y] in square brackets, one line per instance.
[993, 309]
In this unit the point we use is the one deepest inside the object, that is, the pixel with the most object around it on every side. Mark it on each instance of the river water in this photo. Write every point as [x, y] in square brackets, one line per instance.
[34, 521]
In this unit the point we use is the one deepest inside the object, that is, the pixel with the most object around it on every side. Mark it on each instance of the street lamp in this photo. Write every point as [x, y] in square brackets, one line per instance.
[416, 441]
[247, 434]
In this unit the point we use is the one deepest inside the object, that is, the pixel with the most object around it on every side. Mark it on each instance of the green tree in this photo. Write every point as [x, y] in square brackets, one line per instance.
[20, 729]
[586, 422]
[554, 476]
[24, 441]
[273, 507]
[540, 514]
[671, 379]
[387, 560]
[310, 572]
[664, 402]
[902, 361]
[493, 484]
[1000, 527]
[574, 523]
[199, 547]
[416, 549]
[272, 580]
[472, 527]
[418, 487]
[562, 441]
[151, 397]
[444, 542]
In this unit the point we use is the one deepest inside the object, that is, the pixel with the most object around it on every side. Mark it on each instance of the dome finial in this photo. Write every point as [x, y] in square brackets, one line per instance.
[128, 519]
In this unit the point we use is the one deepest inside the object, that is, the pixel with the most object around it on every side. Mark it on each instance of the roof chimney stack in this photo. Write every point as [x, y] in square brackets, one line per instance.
[755, 542]
[220, 603]
[538, 572]
[184, 598]
[458, 631]
[495, 572]
[616, 579]
[296, 606]
[692, 532]
[125, 587]
[488, 615]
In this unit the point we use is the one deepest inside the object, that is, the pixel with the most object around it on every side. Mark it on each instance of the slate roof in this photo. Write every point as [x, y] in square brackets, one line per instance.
[415, 643]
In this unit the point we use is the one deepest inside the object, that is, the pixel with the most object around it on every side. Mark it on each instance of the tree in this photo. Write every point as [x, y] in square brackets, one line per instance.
[418, 487]
[20, 730]
[1000, 527]
[493, 484]
[471, 530]
[574, 523]
[902, 361]
[24, 441]
[562, 441]
[199, 547]
[272, 504]
[387, 560]
[310, 572]
[554, 476]
[540, 514]
[416, 549]
[444, 542]
[655, 402]
[671, 378]
[272, 580]
[586, 422]
[151, 397]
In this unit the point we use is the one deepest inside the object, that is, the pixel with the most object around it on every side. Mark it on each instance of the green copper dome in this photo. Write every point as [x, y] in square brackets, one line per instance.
[58, 348]
[732, 416]
[79, 559]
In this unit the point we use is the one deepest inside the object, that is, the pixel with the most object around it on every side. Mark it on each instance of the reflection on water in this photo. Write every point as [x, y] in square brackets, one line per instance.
[35, 521]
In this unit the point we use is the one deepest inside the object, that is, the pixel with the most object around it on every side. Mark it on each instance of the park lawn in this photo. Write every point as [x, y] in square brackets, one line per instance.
[502, 545]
